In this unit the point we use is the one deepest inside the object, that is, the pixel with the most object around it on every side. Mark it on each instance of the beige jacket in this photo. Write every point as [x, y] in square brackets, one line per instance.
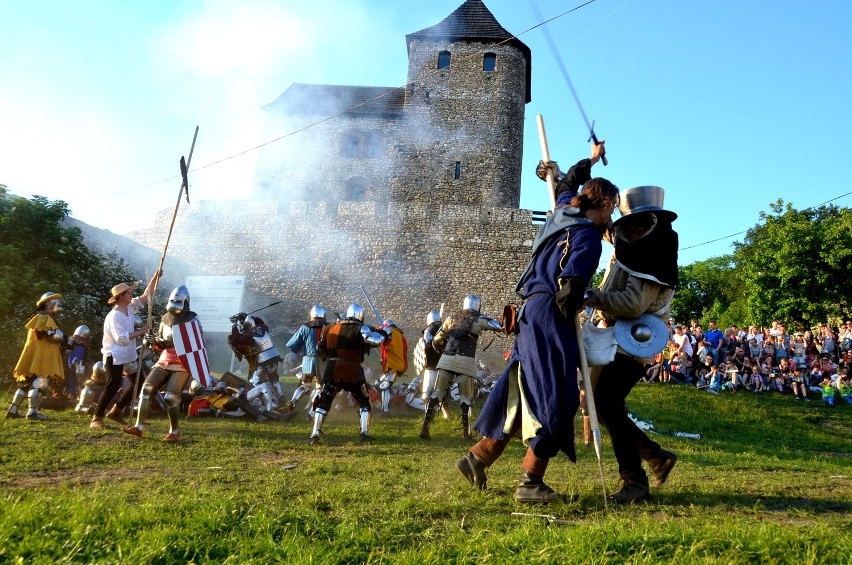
[627, 294]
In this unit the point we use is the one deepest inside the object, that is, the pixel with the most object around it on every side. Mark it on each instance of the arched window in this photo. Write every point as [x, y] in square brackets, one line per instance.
[355, 189]
[444, 60]
[489, 62]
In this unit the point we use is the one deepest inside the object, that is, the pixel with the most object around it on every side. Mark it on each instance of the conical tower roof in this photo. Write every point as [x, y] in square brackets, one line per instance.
[473, 21]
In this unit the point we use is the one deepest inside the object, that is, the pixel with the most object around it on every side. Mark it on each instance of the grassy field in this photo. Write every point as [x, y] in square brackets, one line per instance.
[770, 482]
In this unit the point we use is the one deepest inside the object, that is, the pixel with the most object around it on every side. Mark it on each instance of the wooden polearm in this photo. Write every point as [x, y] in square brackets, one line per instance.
[184, 186]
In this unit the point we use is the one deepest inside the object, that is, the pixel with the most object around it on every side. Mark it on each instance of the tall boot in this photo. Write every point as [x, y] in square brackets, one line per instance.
[634, 488]
[365, 425]
[319, 418]
[465, 418]
[427, 418]
[35, 397]
[17, 400]
[532, 490]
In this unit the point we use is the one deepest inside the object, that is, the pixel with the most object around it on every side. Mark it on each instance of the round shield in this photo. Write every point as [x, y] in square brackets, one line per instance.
[643, 336]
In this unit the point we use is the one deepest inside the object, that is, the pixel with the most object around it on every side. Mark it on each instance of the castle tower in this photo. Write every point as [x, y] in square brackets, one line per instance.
[468, 81]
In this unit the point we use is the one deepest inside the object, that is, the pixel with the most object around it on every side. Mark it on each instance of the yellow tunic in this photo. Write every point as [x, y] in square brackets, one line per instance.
[40, 357]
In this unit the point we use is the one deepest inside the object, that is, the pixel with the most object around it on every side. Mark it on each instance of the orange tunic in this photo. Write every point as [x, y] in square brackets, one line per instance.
[40, 357]
[395, 353]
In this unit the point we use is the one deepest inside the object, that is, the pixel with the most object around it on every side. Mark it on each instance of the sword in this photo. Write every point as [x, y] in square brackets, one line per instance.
[373, 306]
[558, 57]
[234, 317]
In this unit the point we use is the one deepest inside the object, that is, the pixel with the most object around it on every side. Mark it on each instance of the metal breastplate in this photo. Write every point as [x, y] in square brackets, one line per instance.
[265, 349]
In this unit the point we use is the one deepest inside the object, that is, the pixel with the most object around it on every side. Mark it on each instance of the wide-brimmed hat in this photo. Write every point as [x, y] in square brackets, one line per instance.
[47, 297]
[640, 199]
[118, 289]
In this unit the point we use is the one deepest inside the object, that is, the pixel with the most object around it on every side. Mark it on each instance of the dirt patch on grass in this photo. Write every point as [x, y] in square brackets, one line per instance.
[72, 477]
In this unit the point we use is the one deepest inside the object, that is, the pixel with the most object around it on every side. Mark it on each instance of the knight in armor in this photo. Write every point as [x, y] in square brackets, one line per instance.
[426, 358]
[39, 367]
[304, 343]
[250, 339]
[92, 389]
[640, 279]
[394, 354]
[118, 347]
[536, 397]
[457, 340]
[78, 347]
[169, 371]
[343, 346]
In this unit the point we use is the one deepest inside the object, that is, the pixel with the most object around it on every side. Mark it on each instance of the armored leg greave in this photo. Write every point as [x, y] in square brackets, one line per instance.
[319, 418]
[365, 420]
[35, 397]
[17, 400]
[144, 405]
[386, 396]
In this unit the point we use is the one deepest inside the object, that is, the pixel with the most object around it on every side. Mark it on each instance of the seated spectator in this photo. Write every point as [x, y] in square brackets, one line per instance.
[797, 346]
[827, 390]
[826, 340]
[799, 383]
[754, 348]
[776, 380]
[716, 379]
[815, 377]
[678, 370]
[846, 337]
[844, 388]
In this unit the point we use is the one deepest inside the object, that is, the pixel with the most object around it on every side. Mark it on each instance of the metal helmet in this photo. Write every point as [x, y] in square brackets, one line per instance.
[178, 300]
[51, 301]
[641, 199]
[138, 322]
[472, 303]
[317, 311]
[99, 374]
[433, 316]
[355, 311]
[82, 333]
[248, 324]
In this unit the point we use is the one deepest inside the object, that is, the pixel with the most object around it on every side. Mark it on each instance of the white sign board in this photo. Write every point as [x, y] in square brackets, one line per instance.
[214, 299]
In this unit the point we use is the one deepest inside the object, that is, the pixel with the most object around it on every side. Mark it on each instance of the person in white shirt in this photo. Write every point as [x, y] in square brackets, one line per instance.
[119, 346]
[684, 344]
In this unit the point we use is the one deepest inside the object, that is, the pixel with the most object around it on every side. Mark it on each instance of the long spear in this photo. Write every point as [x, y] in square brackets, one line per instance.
[184, 185]
[584, 366]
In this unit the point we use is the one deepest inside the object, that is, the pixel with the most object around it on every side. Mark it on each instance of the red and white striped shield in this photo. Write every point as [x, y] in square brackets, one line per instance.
[189, 345]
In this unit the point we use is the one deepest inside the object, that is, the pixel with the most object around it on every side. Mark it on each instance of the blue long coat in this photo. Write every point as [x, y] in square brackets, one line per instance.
[545, 356]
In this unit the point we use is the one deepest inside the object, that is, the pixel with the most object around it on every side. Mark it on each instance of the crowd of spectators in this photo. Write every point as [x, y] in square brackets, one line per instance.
[769, 360]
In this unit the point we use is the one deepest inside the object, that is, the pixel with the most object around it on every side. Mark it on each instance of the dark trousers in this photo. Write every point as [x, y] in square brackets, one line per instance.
[112, 386]
[629, 443]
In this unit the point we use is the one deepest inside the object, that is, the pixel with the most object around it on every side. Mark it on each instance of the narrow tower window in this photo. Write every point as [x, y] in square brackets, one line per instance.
[444, 60]
[457, 174]
[489, 62]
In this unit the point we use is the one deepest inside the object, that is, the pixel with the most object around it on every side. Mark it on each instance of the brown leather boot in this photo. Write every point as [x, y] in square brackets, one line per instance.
[661, 466]
[532, 490]
[473, 470]
[97, 423]
[115, 414]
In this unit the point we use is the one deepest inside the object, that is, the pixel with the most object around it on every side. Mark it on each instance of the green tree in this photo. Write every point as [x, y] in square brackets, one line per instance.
[795, 265]
[41, 255]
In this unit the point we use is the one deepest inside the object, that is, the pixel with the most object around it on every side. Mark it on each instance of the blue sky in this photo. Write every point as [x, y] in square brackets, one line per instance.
[728, 105]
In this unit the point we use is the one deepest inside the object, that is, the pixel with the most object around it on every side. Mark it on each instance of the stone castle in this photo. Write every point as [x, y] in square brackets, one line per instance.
[410, 191]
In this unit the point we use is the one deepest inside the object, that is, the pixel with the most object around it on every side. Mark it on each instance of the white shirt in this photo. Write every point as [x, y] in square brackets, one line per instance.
[683, 343]
[117, 329]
